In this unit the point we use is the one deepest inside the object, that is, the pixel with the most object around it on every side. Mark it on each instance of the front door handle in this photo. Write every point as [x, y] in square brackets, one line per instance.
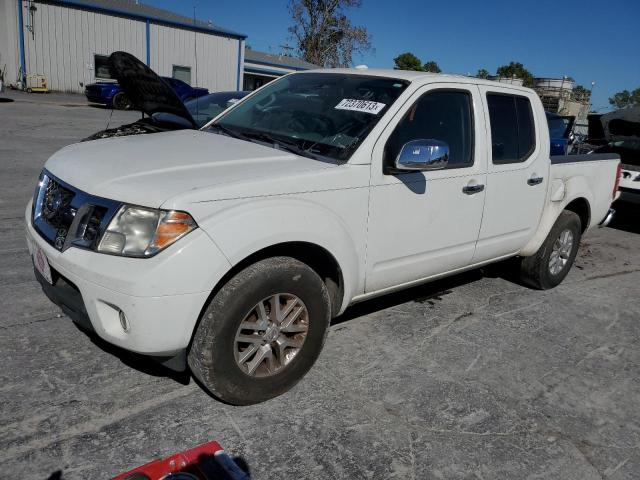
[471, 189]
[535, 181]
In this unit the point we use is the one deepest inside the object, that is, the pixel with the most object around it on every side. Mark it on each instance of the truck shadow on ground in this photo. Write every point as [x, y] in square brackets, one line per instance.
[431, 292]
[142, 363]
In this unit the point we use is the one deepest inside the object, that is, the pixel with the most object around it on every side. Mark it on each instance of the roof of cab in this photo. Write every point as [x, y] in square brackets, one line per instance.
[413, 76]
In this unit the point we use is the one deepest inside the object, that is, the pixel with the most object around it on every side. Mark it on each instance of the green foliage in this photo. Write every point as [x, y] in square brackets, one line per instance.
[408, 61]
[581, 93]
[432, 67]
[625, 99]
[516, 69]
[483, 73]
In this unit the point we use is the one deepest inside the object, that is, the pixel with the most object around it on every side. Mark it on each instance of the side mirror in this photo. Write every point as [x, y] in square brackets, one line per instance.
[422, 155]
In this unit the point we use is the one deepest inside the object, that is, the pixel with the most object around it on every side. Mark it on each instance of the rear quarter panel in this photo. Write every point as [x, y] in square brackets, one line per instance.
[573, 177]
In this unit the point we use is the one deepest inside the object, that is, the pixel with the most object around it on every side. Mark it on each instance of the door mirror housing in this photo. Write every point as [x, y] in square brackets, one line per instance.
[422, 155]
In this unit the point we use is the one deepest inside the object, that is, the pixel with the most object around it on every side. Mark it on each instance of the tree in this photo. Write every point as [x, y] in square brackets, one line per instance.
[516, 69]
[581, 93]
[483, 73]
[626, 99]
[324, 34]
[407, 61]
[432, 67]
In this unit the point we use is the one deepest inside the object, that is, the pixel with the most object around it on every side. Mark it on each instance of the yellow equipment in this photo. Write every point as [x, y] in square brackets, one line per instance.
[37, 83]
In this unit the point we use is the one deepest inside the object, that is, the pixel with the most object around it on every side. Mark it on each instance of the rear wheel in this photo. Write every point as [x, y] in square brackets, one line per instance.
[261, 332]
[553, 260]
[121, 101]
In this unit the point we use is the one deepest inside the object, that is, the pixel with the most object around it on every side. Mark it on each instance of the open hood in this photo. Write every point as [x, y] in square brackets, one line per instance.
[146, 90]
[623, 124]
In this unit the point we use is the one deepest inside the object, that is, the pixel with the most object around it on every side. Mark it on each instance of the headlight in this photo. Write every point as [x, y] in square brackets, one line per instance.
[143, 232]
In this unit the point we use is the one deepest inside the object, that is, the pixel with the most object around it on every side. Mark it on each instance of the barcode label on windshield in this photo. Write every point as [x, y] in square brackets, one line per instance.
[365, 106]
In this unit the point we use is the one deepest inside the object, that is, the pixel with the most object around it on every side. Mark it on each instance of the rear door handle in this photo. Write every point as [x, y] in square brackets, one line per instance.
[535, 181]
[471, 189]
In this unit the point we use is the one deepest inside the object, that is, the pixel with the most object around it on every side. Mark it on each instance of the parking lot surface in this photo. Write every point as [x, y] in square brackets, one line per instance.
[472, 377]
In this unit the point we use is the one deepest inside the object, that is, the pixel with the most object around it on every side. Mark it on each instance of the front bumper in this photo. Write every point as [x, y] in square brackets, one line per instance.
[161, 297]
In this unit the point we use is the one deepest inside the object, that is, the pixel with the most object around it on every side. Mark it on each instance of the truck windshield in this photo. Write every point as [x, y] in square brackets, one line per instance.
[313, 114]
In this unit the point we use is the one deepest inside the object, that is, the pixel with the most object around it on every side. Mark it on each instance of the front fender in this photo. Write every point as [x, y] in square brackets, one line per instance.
[251, 225]
[561, 194]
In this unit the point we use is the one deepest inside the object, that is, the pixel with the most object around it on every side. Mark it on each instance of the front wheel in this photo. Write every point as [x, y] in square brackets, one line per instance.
[261, 332]
[121, 101]
[553, 260]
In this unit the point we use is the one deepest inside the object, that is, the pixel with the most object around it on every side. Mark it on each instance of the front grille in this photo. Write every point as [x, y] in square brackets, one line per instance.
[66, 216]
[57, 211]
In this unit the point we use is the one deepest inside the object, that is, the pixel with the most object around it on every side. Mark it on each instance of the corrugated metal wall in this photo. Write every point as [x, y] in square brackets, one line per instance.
[65, 40]
[217, 56]
[9, 49]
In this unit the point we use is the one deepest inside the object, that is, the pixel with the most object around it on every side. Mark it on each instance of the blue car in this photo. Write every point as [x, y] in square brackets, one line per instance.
[559, 132]
[111, 94]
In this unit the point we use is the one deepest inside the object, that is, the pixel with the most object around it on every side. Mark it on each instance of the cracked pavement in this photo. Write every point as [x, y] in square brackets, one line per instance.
[471, 377]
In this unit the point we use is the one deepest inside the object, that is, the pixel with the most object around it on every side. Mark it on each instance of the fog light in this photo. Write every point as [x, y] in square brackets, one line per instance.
[124, 322]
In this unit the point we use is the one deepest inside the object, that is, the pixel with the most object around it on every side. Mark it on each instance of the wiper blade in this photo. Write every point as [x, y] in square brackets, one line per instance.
[228, 131]
[280, 144]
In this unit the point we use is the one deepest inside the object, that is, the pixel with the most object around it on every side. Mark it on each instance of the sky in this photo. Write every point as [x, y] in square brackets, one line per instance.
[591, 40]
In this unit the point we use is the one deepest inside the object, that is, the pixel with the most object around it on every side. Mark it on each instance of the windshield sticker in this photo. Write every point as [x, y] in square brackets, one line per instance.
[365, 106]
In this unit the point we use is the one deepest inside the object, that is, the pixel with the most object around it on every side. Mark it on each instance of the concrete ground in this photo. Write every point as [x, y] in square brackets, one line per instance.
[473, 377]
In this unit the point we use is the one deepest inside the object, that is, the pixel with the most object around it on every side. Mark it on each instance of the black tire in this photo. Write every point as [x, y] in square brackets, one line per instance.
[535, 270]
[120, 101]
[212, 354]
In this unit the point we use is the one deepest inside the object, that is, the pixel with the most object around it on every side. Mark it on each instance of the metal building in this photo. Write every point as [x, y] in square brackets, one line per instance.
[68, 42]
[261, 67]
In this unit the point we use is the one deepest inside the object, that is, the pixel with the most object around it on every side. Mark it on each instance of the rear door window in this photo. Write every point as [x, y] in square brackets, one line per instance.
[512, 128]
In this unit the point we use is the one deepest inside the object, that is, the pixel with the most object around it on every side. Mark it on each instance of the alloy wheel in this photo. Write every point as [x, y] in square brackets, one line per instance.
[271, 335]
[561, 252]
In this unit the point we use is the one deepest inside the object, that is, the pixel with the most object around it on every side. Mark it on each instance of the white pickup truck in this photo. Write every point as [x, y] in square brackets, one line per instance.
[231, 248]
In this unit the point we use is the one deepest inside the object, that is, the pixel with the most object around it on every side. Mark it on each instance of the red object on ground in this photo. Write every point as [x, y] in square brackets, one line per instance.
[196, 462]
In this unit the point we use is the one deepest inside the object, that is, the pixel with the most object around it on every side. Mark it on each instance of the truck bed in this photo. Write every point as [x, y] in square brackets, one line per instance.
[589, 176]
[587, 157]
